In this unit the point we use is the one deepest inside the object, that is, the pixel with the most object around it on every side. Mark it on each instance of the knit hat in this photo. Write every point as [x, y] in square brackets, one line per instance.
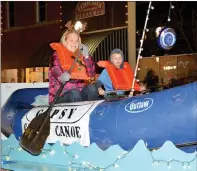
[118, 51]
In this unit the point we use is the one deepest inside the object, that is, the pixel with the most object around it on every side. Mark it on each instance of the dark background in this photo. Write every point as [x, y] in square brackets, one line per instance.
[183, 21]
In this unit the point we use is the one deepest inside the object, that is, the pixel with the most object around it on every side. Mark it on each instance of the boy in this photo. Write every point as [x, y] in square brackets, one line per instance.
[108, 79]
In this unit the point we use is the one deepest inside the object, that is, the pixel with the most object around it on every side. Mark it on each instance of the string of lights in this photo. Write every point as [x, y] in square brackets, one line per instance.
[86, 166]
[1, 22]
[171, 7]
[126, 6]
[7, 156]
[60, 16]
[185, 164]
[145, 29]
[141, 44]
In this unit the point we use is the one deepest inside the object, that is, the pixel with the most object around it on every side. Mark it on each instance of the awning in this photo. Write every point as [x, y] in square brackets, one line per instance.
[93, 40]
[42, 57]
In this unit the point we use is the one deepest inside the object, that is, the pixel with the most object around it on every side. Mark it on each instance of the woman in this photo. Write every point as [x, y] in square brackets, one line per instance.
[65, 52]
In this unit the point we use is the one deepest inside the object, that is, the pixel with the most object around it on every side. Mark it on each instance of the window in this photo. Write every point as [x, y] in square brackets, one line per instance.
[38, 74]
[11, 19]
[41, 11]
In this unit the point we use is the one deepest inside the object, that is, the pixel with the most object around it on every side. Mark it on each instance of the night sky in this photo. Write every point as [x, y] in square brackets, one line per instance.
[158, 17]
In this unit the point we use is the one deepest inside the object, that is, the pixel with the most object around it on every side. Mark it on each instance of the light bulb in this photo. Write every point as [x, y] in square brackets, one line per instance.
[184, 167]
[78, 25]
[125, 152]
[116, 165]
[169, 167]
[52, 152]
[118, 157]
[19, 149]
[7, 158]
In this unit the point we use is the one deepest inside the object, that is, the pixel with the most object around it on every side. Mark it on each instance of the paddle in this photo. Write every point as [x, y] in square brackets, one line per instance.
[34, 137]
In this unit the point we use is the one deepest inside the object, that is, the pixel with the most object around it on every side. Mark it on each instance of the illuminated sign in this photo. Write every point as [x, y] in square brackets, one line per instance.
[169, 67]
[167, 38]
[89, 9]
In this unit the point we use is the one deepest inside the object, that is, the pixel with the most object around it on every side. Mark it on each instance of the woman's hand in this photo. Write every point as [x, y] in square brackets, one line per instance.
[101, 91]
[65, 77]
[84, 50]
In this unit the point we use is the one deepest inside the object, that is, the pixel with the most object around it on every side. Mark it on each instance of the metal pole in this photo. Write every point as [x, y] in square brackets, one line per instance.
[132, 34]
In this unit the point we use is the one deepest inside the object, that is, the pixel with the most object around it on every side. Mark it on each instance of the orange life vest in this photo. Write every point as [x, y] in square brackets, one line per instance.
[66, 60]
[121, 78]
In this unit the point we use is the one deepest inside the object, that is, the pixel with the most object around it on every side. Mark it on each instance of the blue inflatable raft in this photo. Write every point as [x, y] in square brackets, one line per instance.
[155, 118]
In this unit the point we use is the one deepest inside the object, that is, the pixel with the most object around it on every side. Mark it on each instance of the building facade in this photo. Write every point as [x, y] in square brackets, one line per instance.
[29, 27]
[26, 26]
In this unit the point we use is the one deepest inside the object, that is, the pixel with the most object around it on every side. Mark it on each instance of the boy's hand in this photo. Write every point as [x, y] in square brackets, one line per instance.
[142, 88]
[131, 94]
[101, 92]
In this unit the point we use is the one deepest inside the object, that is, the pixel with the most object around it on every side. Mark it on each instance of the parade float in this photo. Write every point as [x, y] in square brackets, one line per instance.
[156, 117]
[159, 128]
[153, 131]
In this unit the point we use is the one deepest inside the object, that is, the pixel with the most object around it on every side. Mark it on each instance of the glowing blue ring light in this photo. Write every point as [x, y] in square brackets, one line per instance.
[167, 38]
